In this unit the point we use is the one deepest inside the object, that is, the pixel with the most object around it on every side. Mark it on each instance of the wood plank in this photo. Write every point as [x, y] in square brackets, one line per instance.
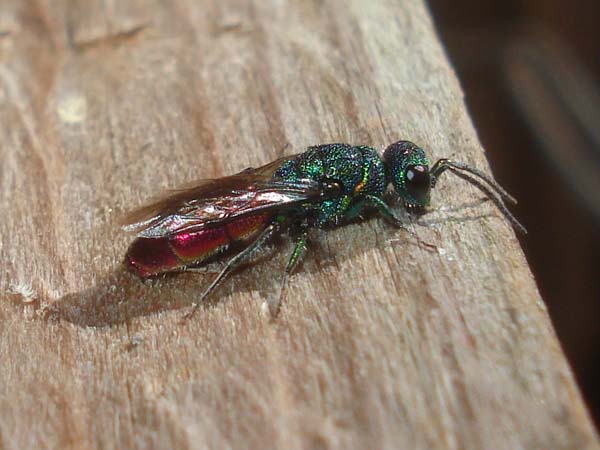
[380, 343]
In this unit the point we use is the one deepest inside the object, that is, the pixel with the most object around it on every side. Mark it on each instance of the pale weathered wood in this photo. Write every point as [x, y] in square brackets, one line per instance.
[380, 344]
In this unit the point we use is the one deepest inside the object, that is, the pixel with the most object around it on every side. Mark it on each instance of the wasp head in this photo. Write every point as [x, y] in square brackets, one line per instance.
[407, 168]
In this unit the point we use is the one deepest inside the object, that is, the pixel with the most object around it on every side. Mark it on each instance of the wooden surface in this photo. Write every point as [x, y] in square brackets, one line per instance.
[380, 343]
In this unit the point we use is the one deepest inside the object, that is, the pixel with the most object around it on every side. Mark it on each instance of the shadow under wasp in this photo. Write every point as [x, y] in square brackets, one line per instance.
[323, 187]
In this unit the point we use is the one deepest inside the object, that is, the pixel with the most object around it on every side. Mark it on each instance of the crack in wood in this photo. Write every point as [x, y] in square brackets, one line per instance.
[115, 39]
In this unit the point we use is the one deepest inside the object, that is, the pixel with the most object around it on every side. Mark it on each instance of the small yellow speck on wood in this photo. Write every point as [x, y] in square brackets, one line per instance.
[379, 344]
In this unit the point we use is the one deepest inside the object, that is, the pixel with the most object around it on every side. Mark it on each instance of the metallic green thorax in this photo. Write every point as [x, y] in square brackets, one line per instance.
[358, 169]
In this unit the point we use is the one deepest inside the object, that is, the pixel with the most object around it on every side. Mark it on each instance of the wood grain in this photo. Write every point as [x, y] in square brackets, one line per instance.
[380, 343]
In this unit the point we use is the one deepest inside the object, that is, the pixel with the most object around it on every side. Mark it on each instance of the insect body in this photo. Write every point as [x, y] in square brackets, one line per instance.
[323, 187]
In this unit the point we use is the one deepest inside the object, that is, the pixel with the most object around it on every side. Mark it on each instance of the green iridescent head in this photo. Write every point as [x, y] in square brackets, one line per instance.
[407, 168]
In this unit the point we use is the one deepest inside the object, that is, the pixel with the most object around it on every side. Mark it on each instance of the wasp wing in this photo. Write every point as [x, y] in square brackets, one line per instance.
[218, 201]
[199, 189]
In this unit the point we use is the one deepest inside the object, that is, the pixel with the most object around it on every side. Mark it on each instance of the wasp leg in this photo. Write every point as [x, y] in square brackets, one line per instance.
[232, 264]
[299, 248]
[202, 270]
[384, 210]
[297, 252]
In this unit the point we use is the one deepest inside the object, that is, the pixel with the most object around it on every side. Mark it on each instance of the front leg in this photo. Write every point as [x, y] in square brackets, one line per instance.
[386, 212]
[371, 201]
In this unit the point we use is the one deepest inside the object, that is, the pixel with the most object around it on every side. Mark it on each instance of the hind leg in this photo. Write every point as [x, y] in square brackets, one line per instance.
[232, 264]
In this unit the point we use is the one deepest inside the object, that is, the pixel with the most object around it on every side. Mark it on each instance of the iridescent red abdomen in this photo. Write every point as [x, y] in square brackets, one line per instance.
[148, 257]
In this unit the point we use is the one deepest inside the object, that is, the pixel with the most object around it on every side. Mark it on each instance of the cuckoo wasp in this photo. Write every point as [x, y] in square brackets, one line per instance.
[327, 185]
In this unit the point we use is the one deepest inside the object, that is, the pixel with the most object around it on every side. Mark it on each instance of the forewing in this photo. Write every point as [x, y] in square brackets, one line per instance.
[218, 201]
[202, 189]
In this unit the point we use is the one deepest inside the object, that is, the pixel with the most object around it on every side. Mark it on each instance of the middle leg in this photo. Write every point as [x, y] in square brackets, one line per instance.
[299, 249]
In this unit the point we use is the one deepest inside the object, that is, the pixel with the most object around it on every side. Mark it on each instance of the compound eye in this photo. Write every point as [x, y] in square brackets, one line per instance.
[417, 181]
